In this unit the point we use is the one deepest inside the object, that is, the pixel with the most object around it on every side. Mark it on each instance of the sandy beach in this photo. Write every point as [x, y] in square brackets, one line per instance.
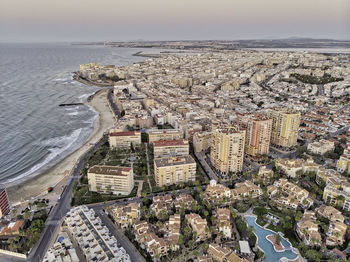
[58, 174]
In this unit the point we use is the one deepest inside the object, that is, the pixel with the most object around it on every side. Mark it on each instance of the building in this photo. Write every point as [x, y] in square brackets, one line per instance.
[335, 196]
[4, 203]
[321, 147]
[124, 139]
[148, 240]
[202, 141]
[308, 230]
[170, 148]
[164, 134]
[336, 229]
[174, 170]
[198, 225]
[258, 136]
[343, 164]
[111, 179]
[223, 221]
[288, 195]
[285, 127]
[125, 215]
[227, 150]
[291, 166]
[245, 190]
[93, 237]
[173, 227]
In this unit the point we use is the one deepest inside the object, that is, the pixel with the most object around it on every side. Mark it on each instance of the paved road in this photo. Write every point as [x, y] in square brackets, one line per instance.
[207, 168]
[148, 169]
[122, 240]
[57, 213]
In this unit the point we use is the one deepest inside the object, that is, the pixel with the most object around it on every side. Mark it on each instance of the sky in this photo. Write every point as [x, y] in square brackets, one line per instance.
[126, 20]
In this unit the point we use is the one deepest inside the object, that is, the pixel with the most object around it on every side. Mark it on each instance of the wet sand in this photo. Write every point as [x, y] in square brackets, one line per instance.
[57, 176]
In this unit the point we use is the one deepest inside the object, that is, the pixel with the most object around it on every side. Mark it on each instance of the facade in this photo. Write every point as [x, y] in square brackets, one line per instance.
[321, 147]
[124, 139]
[93, 238]
[174, 170]
[125, 216]
[332, 195]
[198, 225]
[111, 179]
[164, 134]
[307, 229]
[343, 164]
[4, 203]
[202, 141]
[285, 127]
[227, 150]
[223, 221]
[258, 134]
[170, 148]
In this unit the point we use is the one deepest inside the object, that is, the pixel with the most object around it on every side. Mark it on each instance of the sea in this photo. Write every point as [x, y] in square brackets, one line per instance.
[35, 133]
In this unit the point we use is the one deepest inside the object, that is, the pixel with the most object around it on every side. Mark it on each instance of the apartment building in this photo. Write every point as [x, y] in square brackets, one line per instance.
[93, 238]
[124, 139]
[258, 134]
[321, 147]
[341, 196]
[285, 127]
[170, 148]
[223, 221]
[336, 229]
[184, 201]
[198, 225]
[245, 190]
[125, 215]
[291, 166]
[202, 141]
[174, 170]
[308, 230]
[227, 150]
[111, 179]
[164, 134]
[289, 195]
[343, 164]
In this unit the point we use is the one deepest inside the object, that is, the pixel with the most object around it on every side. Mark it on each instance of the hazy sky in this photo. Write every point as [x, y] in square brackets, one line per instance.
[120, 20]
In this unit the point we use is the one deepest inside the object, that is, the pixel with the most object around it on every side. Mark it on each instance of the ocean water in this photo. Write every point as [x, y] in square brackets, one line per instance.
[35, 133]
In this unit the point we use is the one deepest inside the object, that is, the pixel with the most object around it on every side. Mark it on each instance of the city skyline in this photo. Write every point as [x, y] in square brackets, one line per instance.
[177, 20]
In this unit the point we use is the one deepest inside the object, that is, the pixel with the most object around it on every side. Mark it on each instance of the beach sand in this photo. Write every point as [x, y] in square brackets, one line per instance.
[58, 175]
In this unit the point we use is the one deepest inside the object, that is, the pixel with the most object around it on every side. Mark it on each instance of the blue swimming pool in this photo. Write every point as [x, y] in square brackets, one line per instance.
[270, 254]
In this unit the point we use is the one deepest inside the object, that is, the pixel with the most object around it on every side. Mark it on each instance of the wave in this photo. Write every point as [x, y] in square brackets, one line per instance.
[61, 79]
[73, 113]
[57, 147]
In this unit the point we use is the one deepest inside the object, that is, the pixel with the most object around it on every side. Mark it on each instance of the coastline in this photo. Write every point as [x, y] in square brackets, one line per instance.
[57, 176]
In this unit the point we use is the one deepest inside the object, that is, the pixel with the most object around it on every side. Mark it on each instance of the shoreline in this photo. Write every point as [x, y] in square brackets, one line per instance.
[57, 175]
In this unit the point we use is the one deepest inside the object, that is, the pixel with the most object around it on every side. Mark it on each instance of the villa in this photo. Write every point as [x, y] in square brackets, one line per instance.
[308, 230]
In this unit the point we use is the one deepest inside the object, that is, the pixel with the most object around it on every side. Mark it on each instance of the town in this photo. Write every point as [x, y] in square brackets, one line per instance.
[215, 156]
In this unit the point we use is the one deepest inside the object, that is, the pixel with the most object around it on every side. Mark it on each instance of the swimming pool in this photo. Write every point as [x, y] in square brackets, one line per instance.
[270, 254]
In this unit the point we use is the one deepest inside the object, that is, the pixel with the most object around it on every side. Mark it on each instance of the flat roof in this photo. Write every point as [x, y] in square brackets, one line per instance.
[110, 170]
[181, 142]
[244, 246]
[127, 133]
[174, 161]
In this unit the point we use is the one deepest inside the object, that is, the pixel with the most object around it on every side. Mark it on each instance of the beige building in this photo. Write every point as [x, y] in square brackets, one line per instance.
[227, 149]
[124, 139]
[258, 134]
[343, 164]
[111, 179]
[202, 141]
[125, 216]
[170, 148]
[198, 225]
[174, 170]
[321, 147]
[285, 127]
[164, 134]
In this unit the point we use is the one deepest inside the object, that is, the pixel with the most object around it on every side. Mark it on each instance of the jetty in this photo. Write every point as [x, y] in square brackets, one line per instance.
[147, 55]
[71, 104]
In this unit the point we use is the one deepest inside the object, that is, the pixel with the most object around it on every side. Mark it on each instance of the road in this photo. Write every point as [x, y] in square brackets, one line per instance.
[58, 212]
[134, 254]
[201, 157]
[148, 169]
